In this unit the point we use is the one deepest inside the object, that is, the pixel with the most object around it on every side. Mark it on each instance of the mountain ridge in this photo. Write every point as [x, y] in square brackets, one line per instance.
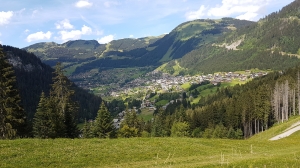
[271, 43]
[147, 52]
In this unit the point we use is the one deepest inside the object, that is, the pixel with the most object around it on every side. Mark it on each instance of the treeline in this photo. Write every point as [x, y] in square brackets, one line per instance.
[56, 115]
[12, 115]
[233, 112]
[33, 77]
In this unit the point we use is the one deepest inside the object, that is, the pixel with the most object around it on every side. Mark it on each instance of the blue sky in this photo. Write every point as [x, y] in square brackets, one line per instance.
[25, 22]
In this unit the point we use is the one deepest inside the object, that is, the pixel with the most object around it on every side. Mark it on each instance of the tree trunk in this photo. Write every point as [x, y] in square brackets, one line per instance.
[298, 95]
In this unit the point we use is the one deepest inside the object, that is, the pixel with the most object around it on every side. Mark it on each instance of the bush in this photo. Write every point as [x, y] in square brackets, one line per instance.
[180, 129]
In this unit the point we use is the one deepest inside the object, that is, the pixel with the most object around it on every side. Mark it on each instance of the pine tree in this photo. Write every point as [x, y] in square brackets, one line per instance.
[71, 129]
[86, 130]
[42, 122]
[103, 124]
[12, 115]
[64, 108]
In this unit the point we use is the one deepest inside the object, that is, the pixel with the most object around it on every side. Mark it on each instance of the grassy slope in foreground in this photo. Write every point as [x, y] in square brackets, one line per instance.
[154, 152]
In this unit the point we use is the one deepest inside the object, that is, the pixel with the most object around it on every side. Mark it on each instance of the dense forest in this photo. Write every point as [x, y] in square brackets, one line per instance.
[34, 77]
[235, 112]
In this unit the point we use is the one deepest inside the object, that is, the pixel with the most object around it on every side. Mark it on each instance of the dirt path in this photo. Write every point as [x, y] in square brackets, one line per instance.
[292, 129]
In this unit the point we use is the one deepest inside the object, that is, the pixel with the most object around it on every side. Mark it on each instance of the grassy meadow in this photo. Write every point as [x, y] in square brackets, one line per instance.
[154, 152]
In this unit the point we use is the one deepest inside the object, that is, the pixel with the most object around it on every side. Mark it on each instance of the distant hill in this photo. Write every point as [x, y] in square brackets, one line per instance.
[33, 77]
[78, 51]
[271, 43]
[88, 62]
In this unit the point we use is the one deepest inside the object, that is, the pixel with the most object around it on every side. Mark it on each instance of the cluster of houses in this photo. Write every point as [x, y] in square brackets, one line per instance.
[157, 80]
[167, 82]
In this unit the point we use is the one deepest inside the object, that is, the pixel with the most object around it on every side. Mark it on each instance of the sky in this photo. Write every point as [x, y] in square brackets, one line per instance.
[26, 22]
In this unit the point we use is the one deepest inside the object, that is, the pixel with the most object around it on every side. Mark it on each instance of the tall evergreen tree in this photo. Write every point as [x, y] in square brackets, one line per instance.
[103, 124]
[42, 122]
[12, 115]
[65, 109]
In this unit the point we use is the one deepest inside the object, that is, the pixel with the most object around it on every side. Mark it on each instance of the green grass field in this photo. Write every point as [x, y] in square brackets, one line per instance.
[146, 114]
[186, 86]
[154, 152]
[162, 103]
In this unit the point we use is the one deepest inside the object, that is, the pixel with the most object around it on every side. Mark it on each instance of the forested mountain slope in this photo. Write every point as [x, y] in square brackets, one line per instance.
[271, 43]
[88, 57]
[33, 77]
[79, 51]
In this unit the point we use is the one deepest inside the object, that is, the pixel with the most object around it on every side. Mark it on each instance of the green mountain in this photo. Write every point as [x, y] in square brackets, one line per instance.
[79, 51]
[33, 77]
[271, 43]
[89, 63]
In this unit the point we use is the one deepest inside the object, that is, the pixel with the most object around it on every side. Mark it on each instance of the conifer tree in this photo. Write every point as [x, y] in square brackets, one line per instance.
[158, 124]
[86, 130]
[12, 115]
[42, 122]
[103, 124]
[64, 108]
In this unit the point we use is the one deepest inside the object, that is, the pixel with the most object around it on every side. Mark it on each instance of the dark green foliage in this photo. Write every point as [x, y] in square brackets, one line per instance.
[42, 123]
[33, 77]
[12, 115]
[66, 109]
[87, 130]
[158, 125]
[56, 115]
[103, 125]
[134, 103]
[132, 126]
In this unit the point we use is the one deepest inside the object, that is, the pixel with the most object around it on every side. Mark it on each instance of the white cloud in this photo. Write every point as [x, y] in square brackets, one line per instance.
[39, 36]
[196, 14]
[5, 17]
[83, 4]
[64, 24]
[75, 34]
[243, 9]
[1, 42]
[70, 35]
[131, 36]
[247, 16]
[106, 39]
[26, 31]
[86, 30]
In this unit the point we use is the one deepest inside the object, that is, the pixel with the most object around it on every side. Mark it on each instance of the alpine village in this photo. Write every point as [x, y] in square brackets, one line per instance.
[211, 93]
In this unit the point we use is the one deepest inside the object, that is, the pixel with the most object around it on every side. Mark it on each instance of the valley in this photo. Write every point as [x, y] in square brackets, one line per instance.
[159, 82]
[85, 92]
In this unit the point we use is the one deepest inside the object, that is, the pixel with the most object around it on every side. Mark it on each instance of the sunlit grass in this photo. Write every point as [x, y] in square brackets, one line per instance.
[162, 103]
[186, 86]
[150, 152]
[257, 151]
[146, 114]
